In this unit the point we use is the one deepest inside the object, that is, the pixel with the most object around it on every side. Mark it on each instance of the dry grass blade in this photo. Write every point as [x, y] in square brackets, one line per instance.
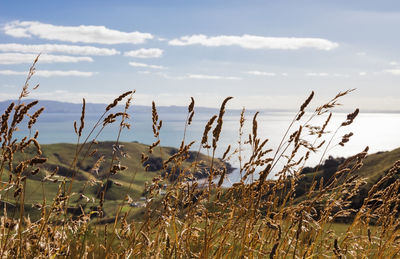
[32, 70]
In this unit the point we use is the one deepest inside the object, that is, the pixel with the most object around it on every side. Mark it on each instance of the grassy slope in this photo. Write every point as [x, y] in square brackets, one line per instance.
[133, 179]
[130, 181]
[375, 166]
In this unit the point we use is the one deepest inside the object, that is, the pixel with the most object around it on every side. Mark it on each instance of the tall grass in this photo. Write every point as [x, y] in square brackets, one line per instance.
[260, 219]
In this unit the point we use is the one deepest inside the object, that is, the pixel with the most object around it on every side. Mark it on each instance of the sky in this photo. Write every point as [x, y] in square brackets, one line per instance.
[266, 54]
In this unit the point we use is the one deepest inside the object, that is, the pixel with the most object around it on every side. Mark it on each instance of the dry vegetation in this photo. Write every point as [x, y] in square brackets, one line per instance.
[257, 220]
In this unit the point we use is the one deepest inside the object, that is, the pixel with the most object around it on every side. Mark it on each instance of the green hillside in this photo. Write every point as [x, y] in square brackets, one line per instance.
[88, 181]
[375, 166]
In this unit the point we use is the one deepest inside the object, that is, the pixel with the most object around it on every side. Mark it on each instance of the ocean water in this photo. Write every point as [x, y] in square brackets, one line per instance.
[379, 131]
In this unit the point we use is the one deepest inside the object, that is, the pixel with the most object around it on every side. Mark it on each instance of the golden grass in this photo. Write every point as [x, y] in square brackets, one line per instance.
[258, 220]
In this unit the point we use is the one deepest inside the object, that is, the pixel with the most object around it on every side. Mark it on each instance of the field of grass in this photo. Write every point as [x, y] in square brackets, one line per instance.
[75, 200]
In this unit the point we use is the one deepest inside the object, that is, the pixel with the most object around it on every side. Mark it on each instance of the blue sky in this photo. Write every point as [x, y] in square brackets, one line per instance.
[267, 54]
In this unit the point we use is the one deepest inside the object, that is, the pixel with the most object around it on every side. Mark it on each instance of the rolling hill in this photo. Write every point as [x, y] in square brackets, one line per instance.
[88, 178]
[375, 166]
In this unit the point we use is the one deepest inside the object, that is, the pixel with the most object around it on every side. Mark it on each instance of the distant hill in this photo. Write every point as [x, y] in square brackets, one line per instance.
[65, 107]
[375, 166]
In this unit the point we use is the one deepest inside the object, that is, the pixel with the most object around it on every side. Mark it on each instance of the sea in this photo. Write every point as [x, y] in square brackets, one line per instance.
[378, 131]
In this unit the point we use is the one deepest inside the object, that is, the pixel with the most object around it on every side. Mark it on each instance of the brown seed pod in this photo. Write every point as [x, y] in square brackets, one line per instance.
[207, 128]
[37, 160]
[34, 172]
[191, 105]
[218, 128]
[82, 117]
[350, 118]
[118, 99]
[304, 105]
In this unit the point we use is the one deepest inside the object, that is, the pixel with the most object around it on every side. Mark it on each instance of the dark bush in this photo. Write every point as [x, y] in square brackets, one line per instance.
[155, 163]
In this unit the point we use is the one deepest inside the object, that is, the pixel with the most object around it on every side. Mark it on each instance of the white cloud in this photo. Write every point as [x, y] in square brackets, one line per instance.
[260, 73]
[202, 76]
[136, 64]
[49, 73]
[144, 72]
[341, 75]
[361, 54]
[191, 76]
[393, 71]
[19, 58]
[255, 42]
[324, 74]
[52, 48]
[362, 73]
[82, 33]
[167, 76]
[317, 74]
[393, 63]
[145, 53]
[12, 73]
